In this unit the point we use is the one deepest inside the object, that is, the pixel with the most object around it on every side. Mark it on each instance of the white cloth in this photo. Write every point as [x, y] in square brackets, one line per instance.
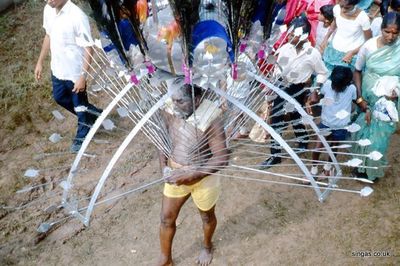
[349, 33]
[368, 47]
[63, 29]
[204, 115]
[202, 118]
[385, 110]
[321, 32]
[298, 68]
[376, 26]
[340, 101]
[386, 85]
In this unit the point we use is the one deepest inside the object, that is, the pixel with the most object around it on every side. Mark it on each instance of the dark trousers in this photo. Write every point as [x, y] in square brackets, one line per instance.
[63, 95]
[299, 128]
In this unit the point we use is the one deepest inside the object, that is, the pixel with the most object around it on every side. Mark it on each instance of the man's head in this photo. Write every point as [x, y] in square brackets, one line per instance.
[395, 5]
[299, 23]
[57, 4]
[183, 101]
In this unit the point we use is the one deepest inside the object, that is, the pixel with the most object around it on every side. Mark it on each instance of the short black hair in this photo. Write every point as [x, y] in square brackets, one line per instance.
[341, 78]
[327, 12]
[391, 18]
[352, 2]
[301, 21]
[187, 90]
[395, 4]
[384, 7]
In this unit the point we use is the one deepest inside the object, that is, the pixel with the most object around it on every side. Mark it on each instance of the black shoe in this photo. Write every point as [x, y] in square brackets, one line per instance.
[357, 174]
[270, 162]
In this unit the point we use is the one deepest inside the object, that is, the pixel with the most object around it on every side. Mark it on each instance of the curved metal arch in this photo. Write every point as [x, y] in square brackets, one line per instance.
[89, 137]
[118, 154]
[273, 134]
[300, 109]
[249, 112]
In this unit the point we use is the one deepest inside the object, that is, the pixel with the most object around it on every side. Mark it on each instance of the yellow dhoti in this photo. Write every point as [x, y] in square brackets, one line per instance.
[205, 193]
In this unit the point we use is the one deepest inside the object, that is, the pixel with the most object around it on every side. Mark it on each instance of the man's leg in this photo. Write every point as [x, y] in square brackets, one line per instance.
[62, 93]
[209, 224]
[81, 103]
[169, 212]
[93, 114]
[277, 118]
[299, 128]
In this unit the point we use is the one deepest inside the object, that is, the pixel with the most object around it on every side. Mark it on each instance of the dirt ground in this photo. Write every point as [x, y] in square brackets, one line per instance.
[258, 223]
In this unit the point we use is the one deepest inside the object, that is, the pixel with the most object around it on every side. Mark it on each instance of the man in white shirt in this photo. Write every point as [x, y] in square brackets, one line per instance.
[64, 22]
[296, 63]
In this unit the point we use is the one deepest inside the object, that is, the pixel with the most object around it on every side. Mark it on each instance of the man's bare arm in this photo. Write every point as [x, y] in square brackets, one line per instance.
[357, 79]
[43, 54]
[216, 141]
[217, 144]
[80, 84]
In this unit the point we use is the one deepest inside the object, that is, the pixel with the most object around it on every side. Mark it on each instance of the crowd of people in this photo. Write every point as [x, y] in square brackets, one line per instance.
[355, 66]
[334, 45]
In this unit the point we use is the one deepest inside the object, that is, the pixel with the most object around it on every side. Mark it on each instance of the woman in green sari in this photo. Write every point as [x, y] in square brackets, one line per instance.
[379, 58]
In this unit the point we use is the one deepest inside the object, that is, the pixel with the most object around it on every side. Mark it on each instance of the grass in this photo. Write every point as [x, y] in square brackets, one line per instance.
[21, 44]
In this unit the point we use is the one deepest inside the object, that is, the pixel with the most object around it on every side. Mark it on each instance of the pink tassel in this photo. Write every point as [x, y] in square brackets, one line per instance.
[261, 52]
[188, 74]
[134, 79]
[150, 67]
[234, 72]
[242, 47]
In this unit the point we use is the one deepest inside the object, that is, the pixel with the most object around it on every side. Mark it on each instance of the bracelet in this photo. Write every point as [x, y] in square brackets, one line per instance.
[84, 74]
[359, 100]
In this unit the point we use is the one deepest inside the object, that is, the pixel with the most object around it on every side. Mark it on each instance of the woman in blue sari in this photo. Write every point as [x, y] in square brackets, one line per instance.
[379, 58]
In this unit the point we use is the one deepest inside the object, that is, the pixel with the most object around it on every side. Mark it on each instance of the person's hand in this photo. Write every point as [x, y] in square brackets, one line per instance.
[308, 106]
[368, 117]
[322, 47]
[80, 85]
[38, 71]
[166, 171]
[224, 105]
[363, 105]
[182, 176]
[348, 57]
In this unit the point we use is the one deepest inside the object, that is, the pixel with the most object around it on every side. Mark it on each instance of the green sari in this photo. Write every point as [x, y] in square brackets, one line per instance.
[383, 62]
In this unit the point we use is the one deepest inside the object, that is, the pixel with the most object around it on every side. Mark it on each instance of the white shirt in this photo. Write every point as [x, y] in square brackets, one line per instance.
[63, 28]
[376, 26]
[340, 101]
[349, 33]
[368, 47]
[321, 32]
[298, 68]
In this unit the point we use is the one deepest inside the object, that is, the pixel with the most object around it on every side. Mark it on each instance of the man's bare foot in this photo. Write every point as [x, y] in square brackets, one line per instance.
[164, 261]
[205, 257]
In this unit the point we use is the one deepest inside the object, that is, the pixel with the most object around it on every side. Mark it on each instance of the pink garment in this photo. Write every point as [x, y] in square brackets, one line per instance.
[294, 8]
[312, 12]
